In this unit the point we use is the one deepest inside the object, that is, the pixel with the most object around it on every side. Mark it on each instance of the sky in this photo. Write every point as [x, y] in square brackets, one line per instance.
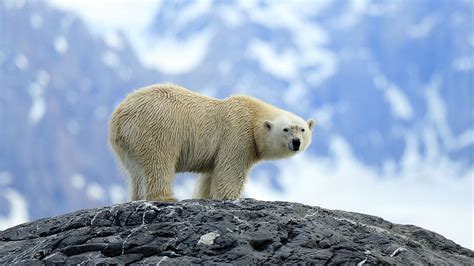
[419, 192]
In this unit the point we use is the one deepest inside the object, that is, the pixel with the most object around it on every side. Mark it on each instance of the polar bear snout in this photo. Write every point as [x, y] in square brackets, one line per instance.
[295, 144]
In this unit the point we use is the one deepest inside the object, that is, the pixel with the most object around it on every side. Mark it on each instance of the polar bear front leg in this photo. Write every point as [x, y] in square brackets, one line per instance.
[228, 178]
[203, 186]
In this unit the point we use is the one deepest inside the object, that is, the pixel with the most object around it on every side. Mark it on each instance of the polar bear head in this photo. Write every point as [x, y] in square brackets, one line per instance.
[287, 135]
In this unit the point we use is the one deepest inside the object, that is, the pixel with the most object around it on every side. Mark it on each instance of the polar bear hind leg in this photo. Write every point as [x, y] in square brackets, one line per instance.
[159, 171]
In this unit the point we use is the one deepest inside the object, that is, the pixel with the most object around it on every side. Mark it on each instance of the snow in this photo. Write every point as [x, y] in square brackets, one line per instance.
[297, 96]
[399, 103]
[425, 187]
[13, 4]
[61, 45]
[95, 192]
[100, 112]
[437, 115]
[224, 67]
[117, 194]
[185, 189]
[110, 59]
[305, 32]
[400, 106]
[323, 60]
[166, 54]
[423, 28]
[37, 110]
[174, 56]
[193, 10]
[231, 16]
[21, 62]
[353, 13]
[106, 15]
[43, 78]
[36, 21]
[18, 209]
[5, 178]
[36, 91]
[78, 181]
[73, 127]
[281, 65]
[113, 40]
[308, 36]
[324, 116]
[464, 64]
[286, 64]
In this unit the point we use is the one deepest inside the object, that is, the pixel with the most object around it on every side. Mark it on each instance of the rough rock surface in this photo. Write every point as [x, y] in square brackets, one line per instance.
[241, 232]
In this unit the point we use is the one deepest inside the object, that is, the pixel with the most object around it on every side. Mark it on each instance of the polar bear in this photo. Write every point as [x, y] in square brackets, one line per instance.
[163, 129]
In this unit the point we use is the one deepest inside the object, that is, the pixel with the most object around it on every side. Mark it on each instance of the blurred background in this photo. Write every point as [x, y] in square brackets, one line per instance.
[389, 82]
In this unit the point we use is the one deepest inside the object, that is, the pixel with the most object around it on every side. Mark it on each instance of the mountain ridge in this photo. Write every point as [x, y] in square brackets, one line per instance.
[207, 232]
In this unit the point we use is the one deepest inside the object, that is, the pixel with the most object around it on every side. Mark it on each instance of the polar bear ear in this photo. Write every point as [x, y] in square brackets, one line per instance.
[268, 125]
[311, 123]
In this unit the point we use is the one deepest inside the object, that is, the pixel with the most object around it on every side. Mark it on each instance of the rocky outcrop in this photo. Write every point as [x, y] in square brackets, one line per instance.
[242, 232]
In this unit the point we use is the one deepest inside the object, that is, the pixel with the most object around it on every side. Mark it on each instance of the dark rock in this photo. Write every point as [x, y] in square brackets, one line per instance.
[218, 232]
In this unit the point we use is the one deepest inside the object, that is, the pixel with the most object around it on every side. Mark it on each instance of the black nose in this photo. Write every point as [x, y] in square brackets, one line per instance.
[296, 144]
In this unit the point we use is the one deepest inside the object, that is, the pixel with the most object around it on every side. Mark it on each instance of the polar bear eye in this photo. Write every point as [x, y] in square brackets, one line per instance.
[302, 130]
[285, 129]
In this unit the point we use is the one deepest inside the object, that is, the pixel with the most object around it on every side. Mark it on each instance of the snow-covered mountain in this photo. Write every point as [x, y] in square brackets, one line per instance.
[389, 82]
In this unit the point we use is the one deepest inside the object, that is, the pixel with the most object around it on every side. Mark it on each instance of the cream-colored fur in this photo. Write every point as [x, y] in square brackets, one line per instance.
[163, 129]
